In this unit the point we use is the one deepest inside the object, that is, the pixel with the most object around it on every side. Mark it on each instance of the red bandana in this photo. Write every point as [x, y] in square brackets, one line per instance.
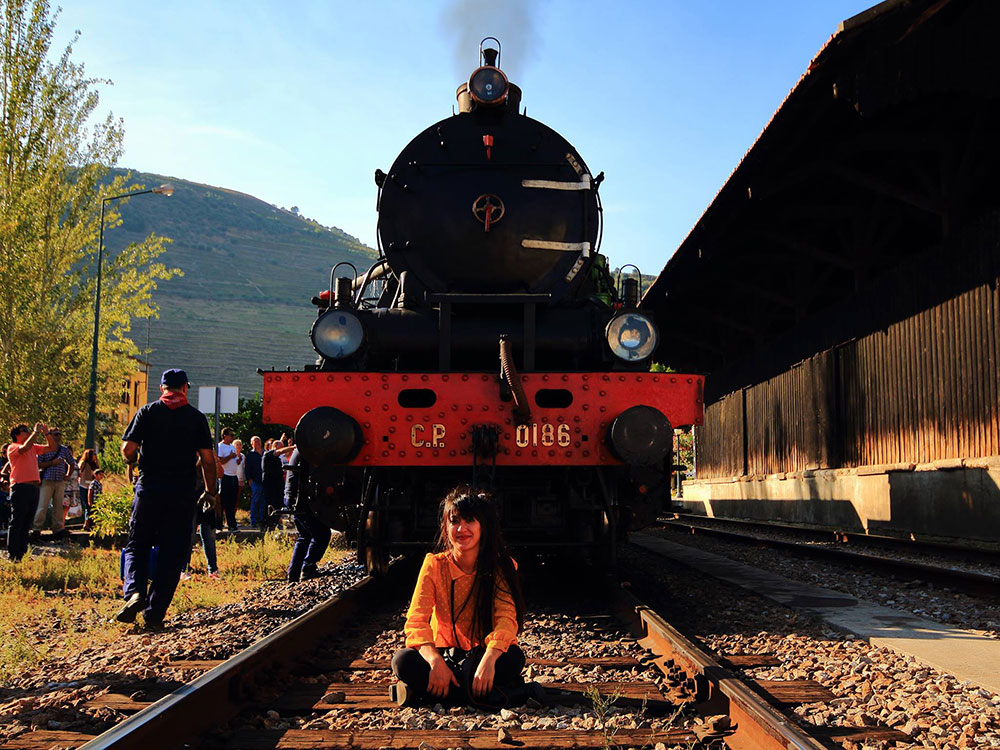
[174, 400]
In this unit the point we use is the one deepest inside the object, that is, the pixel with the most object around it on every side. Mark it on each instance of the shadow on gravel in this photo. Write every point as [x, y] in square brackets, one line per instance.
[701, 606]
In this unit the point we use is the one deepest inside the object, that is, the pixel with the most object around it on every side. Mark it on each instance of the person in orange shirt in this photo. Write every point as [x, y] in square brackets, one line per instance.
[25, 481]
[467, 608]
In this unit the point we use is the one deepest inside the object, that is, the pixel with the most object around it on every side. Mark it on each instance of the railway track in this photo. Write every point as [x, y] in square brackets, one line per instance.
[322, 681]
[909, 560]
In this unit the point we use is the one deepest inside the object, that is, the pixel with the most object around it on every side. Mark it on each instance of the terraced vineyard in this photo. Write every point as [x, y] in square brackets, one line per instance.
[249, 271]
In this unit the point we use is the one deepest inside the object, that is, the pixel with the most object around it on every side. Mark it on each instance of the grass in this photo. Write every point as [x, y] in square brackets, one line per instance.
[53, 606]
[602, 705]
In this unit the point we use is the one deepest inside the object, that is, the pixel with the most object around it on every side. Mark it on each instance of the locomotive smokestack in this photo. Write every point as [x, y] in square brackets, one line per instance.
[488, 85]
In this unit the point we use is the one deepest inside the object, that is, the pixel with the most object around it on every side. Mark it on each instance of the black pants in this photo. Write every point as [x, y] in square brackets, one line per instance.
[410, 667]
[161, 517]
[230, 487]
[23, 504]
[274, 499]
[313, 539]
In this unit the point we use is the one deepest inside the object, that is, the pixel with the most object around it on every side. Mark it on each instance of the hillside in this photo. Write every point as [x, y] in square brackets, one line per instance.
[249, 271]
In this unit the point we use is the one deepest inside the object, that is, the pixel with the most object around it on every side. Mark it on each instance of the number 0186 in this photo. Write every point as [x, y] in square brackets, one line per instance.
[534, 434]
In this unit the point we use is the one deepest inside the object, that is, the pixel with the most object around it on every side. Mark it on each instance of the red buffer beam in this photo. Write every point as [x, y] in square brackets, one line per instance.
[426, 419]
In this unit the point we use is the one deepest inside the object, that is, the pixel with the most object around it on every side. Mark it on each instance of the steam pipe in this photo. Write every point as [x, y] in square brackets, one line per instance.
[522, 412]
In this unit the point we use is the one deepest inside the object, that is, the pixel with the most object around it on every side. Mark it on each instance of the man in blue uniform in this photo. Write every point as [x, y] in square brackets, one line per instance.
[314, 535]
[165, 437]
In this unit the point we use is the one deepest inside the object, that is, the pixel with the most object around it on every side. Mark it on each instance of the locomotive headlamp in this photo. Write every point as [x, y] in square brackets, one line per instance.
[632, 337]
[488, 85]
[337, 334]
[641, 436]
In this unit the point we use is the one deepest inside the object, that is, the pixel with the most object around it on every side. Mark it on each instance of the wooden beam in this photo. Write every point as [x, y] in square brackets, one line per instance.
[883, 187]
[756, 290]
[713, 314]
[805, 248]
[886, 140]
[699, 343]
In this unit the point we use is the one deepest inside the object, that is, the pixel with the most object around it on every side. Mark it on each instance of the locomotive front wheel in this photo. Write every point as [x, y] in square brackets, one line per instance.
[376, 550]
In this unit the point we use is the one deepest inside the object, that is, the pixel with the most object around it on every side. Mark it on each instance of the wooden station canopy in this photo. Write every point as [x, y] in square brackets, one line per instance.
[887, 147]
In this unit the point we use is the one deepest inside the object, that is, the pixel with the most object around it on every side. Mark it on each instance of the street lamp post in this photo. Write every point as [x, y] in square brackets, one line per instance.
[166, 190]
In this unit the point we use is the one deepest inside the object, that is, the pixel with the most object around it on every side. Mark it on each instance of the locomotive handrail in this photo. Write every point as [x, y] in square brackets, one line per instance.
[485, 298]
[482, 59]
[360, 288]
[618, 280]
[333, 272]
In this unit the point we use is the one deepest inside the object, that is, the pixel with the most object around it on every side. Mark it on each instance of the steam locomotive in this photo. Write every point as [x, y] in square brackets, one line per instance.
[488, 344]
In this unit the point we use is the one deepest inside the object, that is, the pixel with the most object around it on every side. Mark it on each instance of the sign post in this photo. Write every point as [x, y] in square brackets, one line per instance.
[218, 399]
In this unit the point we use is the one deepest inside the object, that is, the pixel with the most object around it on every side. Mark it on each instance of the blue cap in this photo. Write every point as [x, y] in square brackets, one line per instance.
[174, 378]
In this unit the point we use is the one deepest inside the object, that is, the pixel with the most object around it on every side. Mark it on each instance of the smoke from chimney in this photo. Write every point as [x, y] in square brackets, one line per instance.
[467, 22]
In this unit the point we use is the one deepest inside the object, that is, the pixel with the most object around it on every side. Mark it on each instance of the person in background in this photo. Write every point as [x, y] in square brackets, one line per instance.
[228, 482]
[241, 474]
[88, 465]
[25, 479]
[284, 455]
[203, 527]
[274, 477]
[96, 488]
[4, 487]
[268, 444]
[55, 464]
[314, 536]
[166, 437]
[255, 476]
[71, 495]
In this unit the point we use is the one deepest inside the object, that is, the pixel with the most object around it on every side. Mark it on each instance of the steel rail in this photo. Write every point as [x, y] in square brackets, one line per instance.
[972, 551]
[220, 694]
[969, 581]
[182, 718]
[755, 724]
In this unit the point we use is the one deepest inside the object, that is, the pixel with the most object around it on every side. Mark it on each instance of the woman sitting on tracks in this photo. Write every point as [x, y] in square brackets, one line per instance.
[461, 628]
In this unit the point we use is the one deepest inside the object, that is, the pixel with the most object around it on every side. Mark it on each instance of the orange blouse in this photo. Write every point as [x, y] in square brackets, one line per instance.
[429, 619]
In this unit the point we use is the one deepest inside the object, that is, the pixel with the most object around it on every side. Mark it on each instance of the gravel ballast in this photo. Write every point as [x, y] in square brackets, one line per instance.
[53, 697]
[872, 685]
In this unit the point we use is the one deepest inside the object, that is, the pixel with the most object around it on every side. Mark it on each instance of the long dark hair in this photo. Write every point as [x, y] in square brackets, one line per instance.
[89, 457]
[494, 565]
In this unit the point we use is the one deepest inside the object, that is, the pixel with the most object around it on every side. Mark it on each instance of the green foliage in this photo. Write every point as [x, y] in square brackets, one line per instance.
[685, 451]
[249, 421]
[657, 367]
[111, 512]
[55, 153]
[111, 460]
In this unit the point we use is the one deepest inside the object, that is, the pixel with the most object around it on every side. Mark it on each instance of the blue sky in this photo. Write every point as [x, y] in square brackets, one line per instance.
[297, 103]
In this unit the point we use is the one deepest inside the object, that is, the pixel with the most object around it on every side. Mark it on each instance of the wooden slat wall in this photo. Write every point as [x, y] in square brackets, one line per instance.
[923, 389]
[719, 450]
[926, 388]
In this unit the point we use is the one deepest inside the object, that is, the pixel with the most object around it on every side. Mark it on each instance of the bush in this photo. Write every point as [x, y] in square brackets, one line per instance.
[112, 461]
[111, 512]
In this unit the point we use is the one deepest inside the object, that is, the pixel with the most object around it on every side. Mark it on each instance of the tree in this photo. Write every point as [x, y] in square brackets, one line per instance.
[249, 421]
[54, 161]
